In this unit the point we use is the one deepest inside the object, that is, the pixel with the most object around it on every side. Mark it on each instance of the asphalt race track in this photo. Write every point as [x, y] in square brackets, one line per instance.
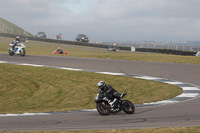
[181, 114]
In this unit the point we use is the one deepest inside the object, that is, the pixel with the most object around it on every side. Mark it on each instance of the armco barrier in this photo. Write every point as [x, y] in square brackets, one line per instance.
[166, 51]
[7, 35]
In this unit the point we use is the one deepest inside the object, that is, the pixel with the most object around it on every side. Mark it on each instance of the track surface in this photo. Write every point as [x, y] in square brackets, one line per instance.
[174, 115]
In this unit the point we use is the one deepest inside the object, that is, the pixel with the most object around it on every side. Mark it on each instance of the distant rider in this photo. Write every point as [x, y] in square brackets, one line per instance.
[111, 95]
[59, 50]
[16, 41]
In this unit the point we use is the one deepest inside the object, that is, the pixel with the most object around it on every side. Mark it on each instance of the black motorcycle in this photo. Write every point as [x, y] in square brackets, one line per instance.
[104, 108]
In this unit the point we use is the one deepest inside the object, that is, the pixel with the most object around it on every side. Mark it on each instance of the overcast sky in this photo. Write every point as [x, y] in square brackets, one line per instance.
[107, 20]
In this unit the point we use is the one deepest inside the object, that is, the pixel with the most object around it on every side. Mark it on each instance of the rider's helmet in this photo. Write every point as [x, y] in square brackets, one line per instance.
[58, 48]
[17, 38]
[101, 85]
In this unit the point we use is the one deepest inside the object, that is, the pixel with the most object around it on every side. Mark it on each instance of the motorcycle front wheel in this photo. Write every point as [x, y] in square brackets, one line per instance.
[103, 108]
[23, 52]
[129, 107]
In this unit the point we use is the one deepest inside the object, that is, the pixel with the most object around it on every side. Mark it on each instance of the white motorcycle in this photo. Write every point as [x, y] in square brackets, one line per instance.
[19, 49]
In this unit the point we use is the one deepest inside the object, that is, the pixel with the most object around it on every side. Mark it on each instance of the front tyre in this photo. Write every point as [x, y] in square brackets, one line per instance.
[23, 52]
[103, 108]
[129, 107]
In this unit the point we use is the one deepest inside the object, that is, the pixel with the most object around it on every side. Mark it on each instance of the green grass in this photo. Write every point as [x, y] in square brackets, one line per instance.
[34, 89]
[149, 130]
[80, 51]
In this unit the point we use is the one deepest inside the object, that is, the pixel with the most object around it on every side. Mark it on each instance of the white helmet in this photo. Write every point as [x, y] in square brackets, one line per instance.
[101, 84]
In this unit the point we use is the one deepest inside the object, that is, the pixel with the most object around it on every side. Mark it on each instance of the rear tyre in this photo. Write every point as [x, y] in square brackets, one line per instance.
[103, 108]
[129, 107]
[11, 53]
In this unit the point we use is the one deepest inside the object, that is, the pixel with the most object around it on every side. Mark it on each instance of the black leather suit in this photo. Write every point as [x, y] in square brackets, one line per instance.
[110, 92]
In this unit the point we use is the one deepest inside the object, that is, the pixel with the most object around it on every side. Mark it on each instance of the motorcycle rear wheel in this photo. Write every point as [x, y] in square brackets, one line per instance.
[129, 107]
[103, 108]
[11, 53]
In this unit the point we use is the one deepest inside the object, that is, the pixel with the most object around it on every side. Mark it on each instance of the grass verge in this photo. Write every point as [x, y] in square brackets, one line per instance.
[149, 130]
[34, 89]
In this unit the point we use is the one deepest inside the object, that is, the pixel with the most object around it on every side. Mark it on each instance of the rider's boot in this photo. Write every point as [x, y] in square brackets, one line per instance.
[114, 103]
[109, 101]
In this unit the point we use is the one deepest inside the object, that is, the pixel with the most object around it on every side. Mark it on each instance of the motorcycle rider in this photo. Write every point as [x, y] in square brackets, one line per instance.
[15, 42]
[110, 94]
[59, 50]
